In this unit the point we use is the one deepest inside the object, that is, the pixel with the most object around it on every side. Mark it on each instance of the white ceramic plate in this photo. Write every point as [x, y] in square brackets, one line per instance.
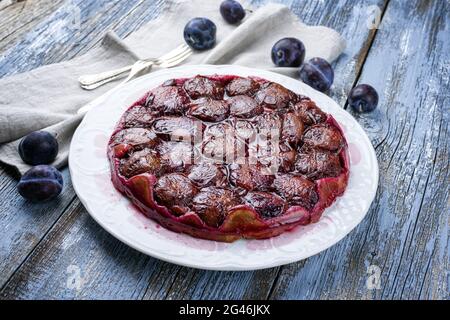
[89, 168]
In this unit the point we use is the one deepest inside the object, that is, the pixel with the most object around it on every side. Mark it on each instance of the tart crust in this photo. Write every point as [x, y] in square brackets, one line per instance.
[207, 99]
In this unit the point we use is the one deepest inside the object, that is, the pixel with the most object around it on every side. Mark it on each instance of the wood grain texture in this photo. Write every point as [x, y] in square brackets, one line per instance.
[24, 224]
[405, 233]
[78, 248]
[20, 17]
[72, 29]
[412, 140]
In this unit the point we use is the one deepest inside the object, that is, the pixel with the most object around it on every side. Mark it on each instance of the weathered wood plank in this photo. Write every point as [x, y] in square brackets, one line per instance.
[72, 29]
[79, 260]
[406, 231]
[351, 19]
[195, 284]
[19, 17]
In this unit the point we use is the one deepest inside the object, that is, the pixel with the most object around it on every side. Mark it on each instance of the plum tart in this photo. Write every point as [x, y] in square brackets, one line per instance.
[227, 157]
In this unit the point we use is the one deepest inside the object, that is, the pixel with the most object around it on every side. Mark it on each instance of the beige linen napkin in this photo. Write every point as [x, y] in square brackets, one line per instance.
[48, 97]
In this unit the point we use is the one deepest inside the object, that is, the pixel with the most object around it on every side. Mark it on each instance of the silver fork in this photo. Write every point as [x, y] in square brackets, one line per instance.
[135, 69]
[93, 81]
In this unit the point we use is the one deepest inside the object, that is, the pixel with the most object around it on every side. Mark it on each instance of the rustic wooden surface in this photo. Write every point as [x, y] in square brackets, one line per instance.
[404, 236]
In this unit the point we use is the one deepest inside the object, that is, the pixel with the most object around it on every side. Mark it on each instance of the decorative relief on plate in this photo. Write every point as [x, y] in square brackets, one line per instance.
[89, 153]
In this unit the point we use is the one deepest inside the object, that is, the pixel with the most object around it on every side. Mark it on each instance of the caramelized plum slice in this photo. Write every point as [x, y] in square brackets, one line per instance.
[265, 145]
[138, 117]
[286, 160]
[139, 162]
[251, 176]
[274, 96]
[175, 191]
[292, 129]
[206, 174]
[210, 110]
[135, 138]
[213, 204]
[178, 127]
[309, 113]
[168, 100]
[242, 86]
[269, 127]
[268, 121]
[324, 136]
[220, 143]
[317, 164]
[296, 190]
[218, 130]
[268, 205]
[243, 129]
[222, 149]
[200, 86]
[244, 107]
[283, 161]
[176, 156]
[263, 152]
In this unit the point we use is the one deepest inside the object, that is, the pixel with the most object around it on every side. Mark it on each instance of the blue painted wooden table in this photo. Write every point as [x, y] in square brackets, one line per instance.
[400, 250]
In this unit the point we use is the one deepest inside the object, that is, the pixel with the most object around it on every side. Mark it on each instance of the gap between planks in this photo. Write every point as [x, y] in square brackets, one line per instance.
[370, 42]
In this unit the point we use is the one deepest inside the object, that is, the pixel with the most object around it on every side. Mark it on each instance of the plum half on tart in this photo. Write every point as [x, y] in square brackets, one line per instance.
[227, 157]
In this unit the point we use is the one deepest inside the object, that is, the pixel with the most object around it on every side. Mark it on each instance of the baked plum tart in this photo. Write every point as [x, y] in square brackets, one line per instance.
[228, 157]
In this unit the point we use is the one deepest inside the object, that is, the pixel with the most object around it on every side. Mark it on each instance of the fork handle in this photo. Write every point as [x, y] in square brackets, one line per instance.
[134, 71]
[90, 79]
[97, 84]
